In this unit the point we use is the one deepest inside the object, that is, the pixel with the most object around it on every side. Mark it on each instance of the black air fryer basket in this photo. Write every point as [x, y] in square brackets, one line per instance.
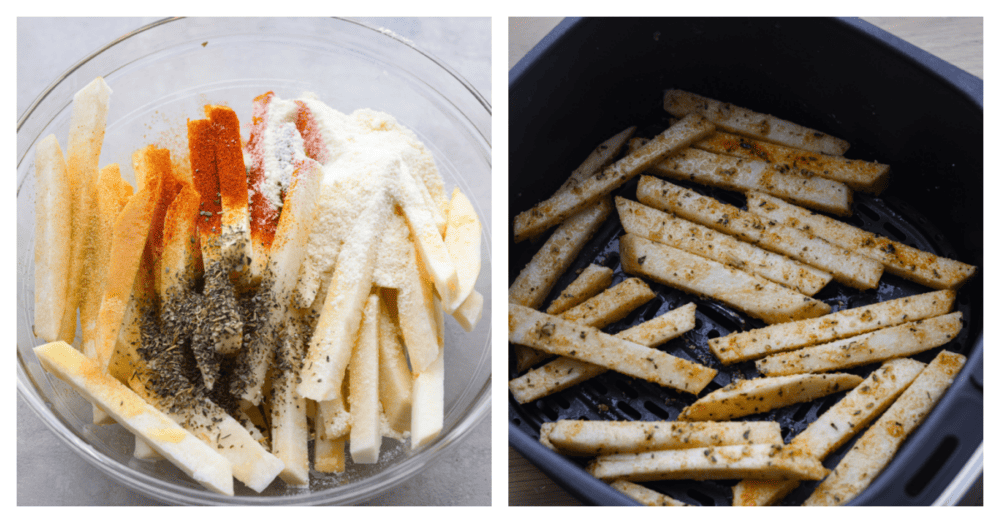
[894, 103]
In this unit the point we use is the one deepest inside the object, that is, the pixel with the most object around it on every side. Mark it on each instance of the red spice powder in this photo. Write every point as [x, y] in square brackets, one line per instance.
[314, 145]
[228, 156]
[263, 215]
[201, 145]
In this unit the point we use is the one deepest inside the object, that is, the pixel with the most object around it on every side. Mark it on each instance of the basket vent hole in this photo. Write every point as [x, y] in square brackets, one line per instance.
[868, 211]
[697, 323]
[854, 220]
[702, 499]
[802, 411]
[516, 421]
[599, 387]
[548, 411]
[713, 333]
[561, 401]
[656, 410]
[931, 467]
[897, 234]
[627, 389]
[628, 410]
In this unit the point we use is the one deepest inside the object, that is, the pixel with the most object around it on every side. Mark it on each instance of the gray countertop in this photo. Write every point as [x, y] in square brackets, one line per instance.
[48, 472]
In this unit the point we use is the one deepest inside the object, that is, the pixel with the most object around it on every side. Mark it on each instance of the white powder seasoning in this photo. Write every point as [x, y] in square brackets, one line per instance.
[283, 147]
[361, 145]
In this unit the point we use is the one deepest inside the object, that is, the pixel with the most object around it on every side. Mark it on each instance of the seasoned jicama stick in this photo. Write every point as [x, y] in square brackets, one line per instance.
[742, 346]
[289, 425]
[222, 305]
[86, 137]
[645, 496]
[884, 344]
[332, 341]
[898, 258]
[744, 121]
[847, 267]
[598, 312]
[564, 372]
[536, 280]
[876, 447]
[110, 197]
[744, 397]
[834, 427]
[593, 280]
[415, 302]
[762, 461]
[551, 334]
[567, 203]
[679, 233]
[590, 438]
[859, 175]
[598, 159]
[233, 193]
[190, 454]
[748, 174]
[278, 281]
[753, 295]
[251, 463]
[427, 238]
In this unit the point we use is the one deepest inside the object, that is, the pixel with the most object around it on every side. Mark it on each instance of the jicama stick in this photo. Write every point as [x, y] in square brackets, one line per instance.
[86, 137]
[871, 177]
[682, 234]
[591, 281]
[846, 266]
[879, 444]
[598, 159]
[645, 496]
[748, 174]
[742, 346]
[462, 239]
[590, 438]
[744, 121]
[598, 312]
[884, 344]
[427, 414]
[565, 204]
[331, 343]
[53, 238]
[366, 434]
[551, 334]
[278, 281]
[289, 426]
[395, 382]
[753, 295]
[762, 461]
[898, 258]
[190, 454]
[834, 427]
[536, 280]
[744, 397]
[564, 372]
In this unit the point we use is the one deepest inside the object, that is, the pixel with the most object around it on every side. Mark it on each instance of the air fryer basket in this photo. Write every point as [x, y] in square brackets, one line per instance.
[592, 78]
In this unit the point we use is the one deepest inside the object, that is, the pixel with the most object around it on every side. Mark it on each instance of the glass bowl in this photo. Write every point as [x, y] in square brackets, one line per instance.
[164, 74]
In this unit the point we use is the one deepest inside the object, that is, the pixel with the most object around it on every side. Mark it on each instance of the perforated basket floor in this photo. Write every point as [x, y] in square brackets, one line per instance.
[613, 396]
